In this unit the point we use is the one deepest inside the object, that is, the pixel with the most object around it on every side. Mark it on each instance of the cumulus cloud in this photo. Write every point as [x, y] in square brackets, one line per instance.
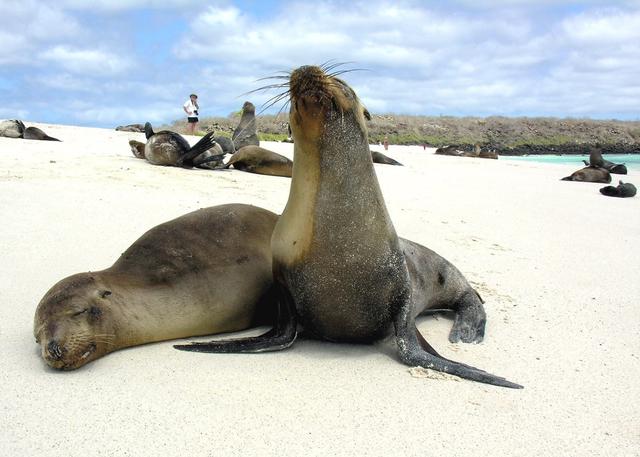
[86, 61]
[423, 60]
[509, 57]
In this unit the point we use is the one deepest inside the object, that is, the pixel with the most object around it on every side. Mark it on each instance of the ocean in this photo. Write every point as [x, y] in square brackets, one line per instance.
[632, 161]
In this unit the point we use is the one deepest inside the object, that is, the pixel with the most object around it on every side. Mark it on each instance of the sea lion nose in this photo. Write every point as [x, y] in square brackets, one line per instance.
[54, 350]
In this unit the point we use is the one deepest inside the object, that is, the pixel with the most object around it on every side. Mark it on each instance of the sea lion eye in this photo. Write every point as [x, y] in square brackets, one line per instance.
[80, 312]
[105, 293]
[367, 114]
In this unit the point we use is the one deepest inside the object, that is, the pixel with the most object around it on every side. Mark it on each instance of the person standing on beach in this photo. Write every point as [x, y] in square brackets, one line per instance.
[386, 143]
[191, 108]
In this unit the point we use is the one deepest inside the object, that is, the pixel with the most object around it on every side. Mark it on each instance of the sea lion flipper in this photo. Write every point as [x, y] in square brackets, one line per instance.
[412, 351]
[205, 143]
[281, 336]
[197, 163]
[470, 319]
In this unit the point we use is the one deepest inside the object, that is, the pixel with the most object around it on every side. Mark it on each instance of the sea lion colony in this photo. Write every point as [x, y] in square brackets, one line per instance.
[336, 268]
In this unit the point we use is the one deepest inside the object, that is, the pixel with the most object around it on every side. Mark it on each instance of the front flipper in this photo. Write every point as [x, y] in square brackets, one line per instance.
[281, 336]
[415, 351]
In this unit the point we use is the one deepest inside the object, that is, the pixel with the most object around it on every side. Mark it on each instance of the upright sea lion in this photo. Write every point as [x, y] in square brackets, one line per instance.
[379, 157]
[255, 159]
[589, 174]
[139, 128]
[203, 273]
[245, 133]
[338, 264]
[34, 133]
[596, 160]
[137, 148]
[12, 128]
[170, 148]
[623, 190]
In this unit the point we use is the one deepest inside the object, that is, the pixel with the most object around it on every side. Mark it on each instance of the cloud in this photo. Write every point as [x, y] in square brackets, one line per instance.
[427, 60]
[87, 61]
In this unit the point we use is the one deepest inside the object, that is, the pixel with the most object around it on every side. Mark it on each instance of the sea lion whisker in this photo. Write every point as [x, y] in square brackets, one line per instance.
[263, 88]
[335, 65]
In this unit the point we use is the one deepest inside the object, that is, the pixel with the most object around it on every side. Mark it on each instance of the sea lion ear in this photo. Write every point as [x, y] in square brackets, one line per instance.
[366, 113]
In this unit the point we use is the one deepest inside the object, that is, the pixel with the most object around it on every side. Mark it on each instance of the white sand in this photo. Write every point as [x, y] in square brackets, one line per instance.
[557, 263]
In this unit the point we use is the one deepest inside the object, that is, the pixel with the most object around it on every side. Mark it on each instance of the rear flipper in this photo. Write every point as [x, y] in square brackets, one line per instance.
[470, 320]
[198, 162]
[205, 143]
[281, 336]
[413, 352]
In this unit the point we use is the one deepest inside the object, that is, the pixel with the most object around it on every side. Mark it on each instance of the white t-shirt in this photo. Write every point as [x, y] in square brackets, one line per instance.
[190, 107]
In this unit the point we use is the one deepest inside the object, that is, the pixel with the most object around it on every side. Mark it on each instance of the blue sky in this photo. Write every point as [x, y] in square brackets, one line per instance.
[110, 62]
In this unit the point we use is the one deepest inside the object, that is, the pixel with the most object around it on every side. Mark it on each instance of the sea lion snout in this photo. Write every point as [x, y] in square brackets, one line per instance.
[54, 351]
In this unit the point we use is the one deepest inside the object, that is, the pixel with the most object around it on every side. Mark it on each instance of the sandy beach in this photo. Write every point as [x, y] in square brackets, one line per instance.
[556, 262]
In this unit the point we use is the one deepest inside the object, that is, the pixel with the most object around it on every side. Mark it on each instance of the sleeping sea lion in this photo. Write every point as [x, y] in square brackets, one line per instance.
[255, 159]
[203, 273]
[338, 265]
[34, 133]
[379, 157]
[589, 174]
[623, 190]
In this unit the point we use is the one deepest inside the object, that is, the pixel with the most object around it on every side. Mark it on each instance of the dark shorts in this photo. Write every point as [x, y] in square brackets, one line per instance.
[192, 120]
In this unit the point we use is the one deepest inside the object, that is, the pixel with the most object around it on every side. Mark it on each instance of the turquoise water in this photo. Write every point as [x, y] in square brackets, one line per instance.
[632, 161]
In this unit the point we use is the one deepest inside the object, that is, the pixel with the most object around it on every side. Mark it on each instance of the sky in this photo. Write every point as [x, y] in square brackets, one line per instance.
[105, 63]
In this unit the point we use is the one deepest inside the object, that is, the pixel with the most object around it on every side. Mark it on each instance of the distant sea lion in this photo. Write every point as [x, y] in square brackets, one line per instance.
[34, 133]
[11, 128]
[227, 145]
[255, 159]
[139, 128]
[589, 174]
[338, 264]
[203, 273]
[379, 157]
[170, 148]
[245, 133]
[137, 148]
[488, 154]
[596, 160]
[623, 190]
[451, 150]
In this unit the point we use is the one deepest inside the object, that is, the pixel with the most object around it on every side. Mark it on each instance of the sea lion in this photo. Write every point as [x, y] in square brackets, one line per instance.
[488, 154]
[11, 128]
[170, 148]
[589, 174]
[379, 157]
[138, 128]
[623, 190]
[596, 160]
[255, 159]
[226, 143]
[34, 133]
[338, 265]
[137, 148]
[451, 150]
[245, 133]
[206, 272]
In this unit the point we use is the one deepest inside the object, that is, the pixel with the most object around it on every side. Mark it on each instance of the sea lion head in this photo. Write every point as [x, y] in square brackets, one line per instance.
[248, 108]
[324, 106]
[73, 322]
